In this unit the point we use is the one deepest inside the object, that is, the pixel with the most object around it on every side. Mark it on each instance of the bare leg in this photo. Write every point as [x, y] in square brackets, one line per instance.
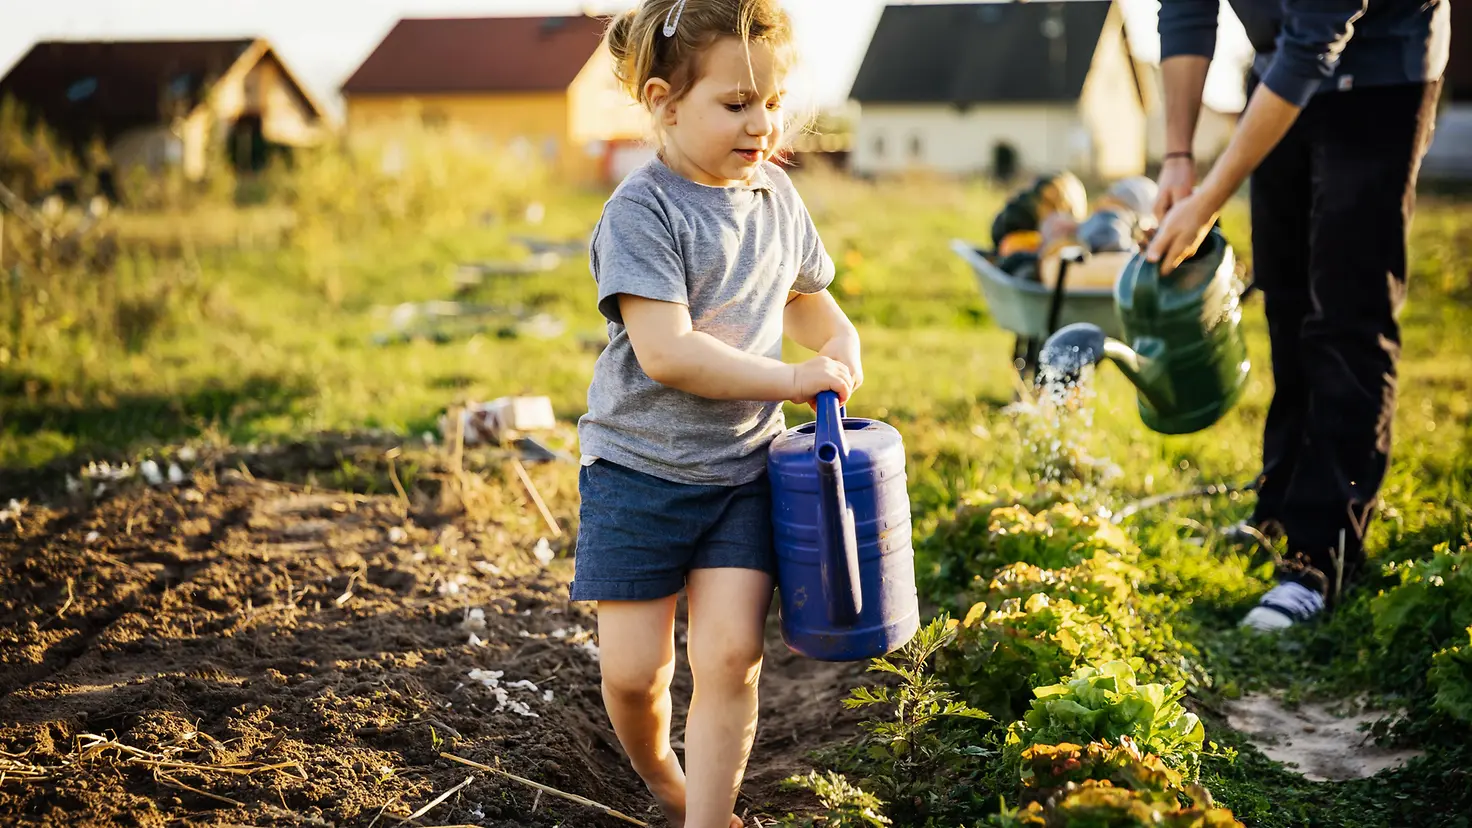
[636, 643]
[728, 608]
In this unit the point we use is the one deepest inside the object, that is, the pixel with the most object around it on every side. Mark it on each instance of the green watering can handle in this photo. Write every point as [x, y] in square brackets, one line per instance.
[1147, 288]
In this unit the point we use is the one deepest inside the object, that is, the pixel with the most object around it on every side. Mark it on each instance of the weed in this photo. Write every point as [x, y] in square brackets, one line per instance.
[927, 762]
[844, 804]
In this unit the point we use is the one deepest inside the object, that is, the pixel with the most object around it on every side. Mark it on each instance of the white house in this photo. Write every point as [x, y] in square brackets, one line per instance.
[1450, 155]
[973, 87]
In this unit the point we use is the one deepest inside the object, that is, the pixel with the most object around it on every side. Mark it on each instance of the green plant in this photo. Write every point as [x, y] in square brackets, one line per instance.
[845, 805]
[1426, 611]
[1046, 768]
[1002, 654]
[925, 761]
[1451, 678]
[1103, 785]
[982, 540]
[1100, 583]
[1101, 805]
[1107, 703]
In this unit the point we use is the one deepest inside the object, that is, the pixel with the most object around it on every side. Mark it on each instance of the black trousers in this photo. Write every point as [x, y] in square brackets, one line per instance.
[1331, 212]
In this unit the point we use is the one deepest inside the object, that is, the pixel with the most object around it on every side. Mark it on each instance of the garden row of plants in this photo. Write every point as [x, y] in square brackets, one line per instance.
[1057, 698]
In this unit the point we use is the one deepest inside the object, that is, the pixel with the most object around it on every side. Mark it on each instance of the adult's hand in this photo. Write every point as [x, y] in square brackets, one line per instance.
[1177, 181]
[1181, 233]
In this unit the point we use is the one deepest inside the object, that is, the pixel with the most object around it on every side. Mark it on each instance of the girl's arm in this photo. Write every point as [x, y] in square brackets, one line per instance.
[816, 322]
[672, 353]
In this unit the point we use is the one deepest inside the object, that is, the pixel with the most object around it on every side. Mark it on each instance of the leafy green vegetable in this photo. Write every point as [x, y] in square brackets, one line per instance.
[983, 540]
[1101, 805]
[1107, 703]
[1000, 656]
[1046, 768]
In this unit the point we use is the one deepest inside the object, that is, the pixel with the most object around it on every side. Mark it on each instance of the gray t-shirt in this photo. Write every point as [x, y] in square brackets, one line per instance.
[730, 254]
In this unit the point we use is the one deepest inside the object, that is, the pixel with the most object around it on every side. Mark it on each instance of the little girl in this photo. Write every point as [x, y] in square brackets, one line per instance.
[704, 258]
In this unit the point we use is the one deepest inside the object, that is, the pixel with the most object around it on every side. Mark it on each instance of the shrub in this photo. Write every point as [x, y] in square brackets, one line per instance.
[1451, 679]
[1426, 612]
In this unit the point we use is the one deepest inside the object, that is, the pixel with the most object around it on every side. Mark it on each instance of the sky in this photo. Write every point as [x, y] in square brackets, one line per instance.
[325, 40]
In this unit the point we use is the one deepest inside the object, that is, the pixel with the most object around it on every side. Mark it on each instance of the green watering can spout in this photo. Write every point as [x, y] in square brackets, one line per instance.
[1071, 349]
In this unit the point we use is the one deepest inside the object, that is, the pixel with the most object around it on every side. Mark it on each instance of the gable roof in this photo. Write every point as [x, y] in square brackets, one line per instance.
[483, 54]
[112, 86]
[86, 88]
[981, 52]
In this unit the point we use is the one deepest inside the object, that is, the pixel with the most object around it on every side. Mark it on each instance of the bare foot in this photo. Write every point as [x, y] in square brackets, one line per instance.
[670, 795]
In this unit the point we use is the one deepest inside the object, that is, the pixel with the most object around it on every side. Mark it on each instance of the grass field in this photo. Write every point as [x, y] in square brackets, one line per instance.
[269, 334]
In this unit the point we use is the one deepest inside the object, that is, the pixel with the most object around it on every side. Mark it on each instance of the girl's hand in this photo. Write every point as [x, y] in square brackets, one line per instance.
[817, 375]
[845, 349]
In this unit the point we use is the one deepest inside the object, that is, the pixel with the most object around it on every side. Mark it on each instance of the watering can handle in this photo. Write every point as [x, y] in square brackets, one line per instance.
[838, 554]
[1147, 289]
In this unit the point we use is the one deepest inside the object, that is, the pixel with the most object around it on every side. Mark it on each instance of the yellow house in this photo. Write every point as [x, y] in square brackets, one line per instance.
[168, 103]
[541, 87]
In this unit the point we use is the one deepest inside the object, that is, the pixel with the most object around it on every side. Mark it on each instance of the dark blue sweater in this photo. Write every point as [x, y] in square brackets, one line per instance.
[1309, 46]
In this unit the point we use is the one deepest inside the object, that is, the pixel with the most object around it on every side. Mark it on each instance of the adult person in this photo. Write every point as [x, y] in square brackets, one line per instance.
[1341, 106]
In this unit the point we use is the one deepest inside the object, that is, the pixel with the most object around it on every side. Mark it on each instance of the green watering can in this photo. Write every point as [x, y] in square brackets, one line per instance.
[1186, 355]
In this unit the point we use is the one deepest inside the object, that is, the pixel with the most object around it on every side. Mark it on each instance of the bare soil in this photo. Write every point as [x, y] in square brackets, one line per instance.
[1321, 743]
[243, 651]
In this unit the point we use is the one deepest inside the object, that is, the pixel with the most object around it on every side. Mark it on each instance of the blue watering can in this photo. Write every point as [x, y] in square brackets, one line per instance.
[841, 514]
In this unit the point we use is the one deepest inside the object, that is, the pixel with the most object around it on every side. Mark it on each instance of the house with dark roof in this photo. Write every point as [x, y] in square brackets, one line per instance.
[540, 87]
[998, 87]
[160, 103]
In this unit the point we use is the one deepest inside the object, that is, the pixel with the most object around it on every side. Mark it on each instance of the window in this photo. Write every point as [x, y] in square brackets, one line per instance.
[81, 90]
[917, 147]
[179, 86]
[878, 146]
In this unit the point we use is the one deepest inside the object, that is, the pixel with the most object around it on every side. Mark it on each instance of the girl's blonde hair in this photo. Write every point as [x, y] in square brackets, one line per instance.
[641, 50]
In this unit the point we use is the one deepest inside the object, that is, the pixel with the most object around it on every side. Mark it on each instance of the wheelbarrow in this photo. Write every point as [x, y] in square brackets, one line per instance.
[1034, 310]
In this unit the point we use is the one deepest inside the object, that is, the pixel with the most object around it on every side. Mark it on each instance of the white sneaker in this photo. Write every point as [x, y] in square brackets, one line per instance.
[1283, 606]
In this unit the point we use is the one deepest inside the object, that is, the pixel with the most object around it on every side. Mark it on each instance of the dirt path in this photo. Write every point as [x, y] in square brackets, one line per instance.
[248, 652]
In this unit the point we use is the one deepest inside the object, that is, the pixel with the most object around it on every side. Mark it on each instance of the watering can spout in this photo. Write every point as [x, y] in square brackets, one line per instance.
[1069, 351]
[1075, 347]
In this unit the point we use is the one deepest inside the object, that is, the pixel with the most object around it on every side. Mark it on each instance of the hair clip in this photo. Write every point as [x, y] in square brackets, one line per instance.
[676, 12]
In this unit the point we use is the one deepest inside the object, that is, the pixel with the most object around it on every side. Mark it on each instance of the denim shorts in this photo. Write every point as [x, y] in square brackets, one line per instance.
[639, 535]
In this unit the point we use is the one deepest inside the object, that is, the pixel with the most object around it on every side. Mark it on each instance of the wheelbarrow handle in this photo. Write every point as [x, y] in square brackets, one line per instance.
[1067, 256]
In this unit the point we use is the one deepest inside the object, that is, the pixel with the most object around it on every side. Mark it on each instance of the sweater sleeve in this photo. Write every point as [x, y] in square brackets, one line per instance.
[1188, 27]
[1312, 38]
